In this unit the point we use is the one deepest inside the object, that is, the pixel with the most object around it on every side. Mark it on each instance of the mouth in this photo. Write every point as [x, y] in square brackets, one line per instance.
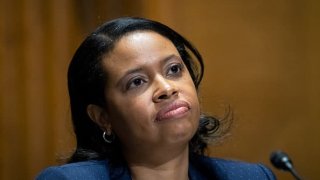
[174, 110]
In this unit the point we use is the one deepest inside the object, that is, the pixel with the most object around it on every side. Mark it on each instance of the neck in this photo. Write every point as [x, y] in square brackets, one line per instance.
[167, 165]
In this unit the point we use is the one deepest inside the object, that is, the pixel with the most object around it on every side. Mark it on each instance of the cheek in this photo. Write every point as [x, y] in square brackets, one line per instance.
[130, 115]
[191, 95]
[190, 92]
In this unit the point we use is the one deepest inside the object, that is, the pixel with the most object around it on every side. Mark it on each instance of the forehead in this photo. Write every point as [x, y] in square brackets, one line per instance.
[138, 49]
[139, 44]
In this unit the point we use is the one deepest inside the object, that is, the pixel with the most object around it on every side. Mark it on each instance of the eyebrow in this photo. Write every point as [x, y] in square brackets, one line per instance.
[139, 69]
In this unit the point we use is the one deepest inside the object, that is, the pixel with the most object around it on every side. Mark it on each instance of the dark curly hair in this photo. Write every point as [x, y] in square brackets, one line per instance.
[86, 83]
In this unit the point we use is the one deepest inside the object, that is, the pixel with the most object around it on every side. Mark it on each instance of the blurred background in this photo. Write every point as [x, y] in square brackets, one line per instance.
[262, 58]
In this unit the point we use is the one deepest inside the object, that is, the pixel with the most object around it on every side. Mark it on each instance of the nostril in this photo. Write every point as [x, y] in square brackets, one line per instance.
[164, 96]
[175, 92]
[164, 90]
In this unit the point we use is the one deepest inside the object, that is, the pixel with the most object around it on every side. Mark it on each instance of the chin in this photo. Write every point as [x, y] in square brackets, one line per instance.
[180, 131]
[181, 137]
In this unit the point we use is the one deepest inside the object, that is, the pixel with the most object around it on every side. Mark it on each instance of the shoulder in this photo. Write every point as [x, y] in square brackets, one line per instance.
[231, 169]
[97, 169]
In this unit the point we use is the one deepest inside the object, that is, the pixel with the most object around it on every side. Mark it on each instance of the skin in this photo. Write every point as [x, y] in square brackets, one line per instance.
[152, 105]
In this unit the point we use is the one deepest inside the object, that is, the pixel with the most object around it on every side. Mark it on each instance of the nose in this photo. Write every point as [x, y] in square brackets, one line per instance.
[165, 89]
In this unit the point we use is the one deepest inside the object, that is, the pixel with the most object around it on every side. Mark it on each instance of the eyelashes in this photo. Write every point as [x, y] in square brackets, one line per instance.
[136, 82]
[173, 71]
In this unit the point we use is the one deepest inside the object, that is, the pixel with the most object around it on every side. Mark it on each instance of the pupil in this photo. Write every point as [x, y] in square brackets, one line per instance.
[174, 68]
[137, 81]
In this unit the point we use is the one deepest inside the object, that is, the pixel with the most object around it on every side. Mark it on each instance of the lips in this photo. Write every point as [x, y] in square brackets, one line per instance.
[175, 110]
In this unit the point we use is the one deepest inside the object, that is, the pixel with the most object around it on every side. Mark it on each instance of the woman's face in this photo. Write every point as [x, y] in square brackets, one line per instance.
[151, 99]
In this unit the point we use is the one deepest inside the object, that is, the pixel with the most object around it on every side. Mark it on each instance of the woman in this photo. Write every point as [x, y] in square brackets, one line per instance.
[136, 115]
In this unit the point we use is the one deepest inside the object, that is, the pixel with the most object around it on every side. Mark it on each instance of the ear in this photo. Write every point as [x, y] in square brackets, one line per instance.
[99, 116]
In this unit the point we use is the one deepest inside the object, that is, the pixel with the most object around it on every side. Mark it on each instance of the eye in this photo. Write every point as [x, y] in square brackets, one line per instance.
[175, 69]
[136, 82]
